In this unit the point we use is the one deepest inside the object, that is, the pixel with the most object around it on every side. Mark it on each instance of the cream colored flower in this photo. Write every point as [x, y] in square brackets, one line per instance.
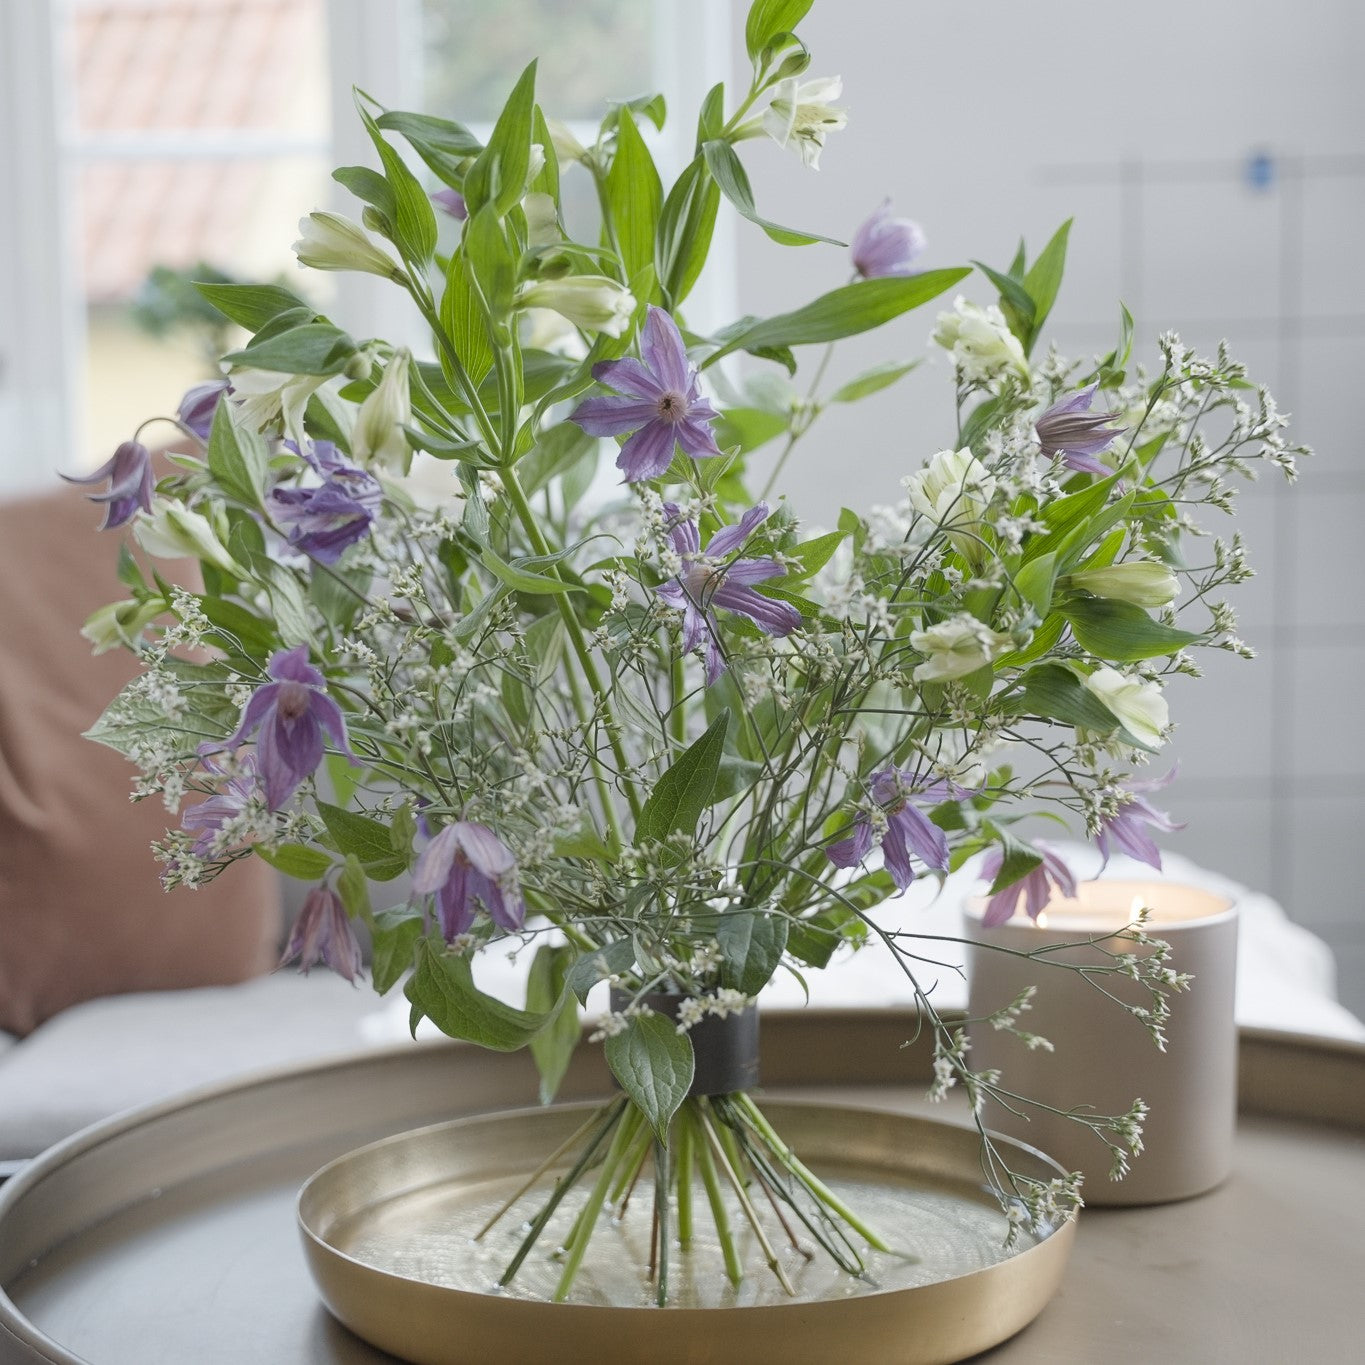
[1139, 706]
[379, 439]
[120, 623]
[263, 397]
[172, 531]
[592, 302]
[1143, 582]
[954, 491]
[331, 242]
[802, 113]
[980, 341]
[956, 647]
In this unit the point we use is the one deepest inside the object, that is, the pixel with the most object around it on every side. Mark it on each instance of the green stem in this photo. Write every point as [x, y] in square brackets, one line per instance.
[813, 1183]
[686, 1172]
[661, 1181]
[711, 1181]
[586, 1222]
[797, 433]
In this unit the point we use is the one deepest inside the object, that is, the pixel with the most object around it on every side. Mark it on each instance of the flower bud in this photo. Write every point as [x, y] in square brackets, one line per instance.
[982, 346]
[120, 623]
[957, 647]
[953, 491]
[1142, 582]
[591, 302]
[1138, 706]
[378, 438]
[172, 531]
[359, 366]
[331, 242]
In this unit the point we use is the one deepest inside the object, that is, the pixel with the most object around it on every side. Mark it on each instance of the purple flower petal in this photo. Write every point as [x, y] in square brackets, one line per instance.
[851, 851]
[606, 416]
[746, 572]
[129, 471]
[896, 856]
[434, 862]
[771, 616]
[629, 376]
[925, 839]
[884, 245]
[730, 538]
[648, 453]
[664, 352]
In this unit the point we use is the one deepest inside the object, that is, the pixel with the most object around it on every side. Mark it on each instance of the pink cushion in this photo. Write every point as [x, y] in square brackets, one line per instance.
[82, 912]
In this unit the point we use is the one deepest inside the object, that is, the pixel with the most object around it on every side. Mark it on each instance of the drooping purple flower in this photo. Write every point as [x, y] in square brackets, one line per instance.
[1034, 887]
[708, 581]
[466, 865]
[1128, 829]
[884, 245]
[292, 712]
[1069, 429]
[323, 521]
[662, 405]
[908, 829]
[452, 201]
[199, 404]
[323, 933]
[129, 471]
[208, 819]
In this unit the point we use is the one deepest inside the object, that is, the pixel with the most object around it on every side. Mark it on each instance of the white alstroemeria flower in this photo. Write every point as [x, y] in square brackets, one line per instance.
[120, 623]
[1139, 706]
[331, 242]
[953, 491]
[1143, 582]
[263, 396]
[980, 341]
[956, 647]
[802, 113]
[172, 531]
[378, 439]
[593, 302]
[567, 146]
[542, 220]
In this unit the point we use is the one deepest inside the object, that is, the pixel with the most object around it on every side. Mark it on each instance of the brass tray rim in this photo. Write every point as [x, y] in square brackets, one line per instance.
[1062, 1234]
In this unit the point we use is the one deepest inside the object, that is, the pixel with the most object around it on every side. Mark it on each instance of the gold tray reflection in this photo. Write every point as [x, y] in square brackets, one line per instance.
[388, 1231]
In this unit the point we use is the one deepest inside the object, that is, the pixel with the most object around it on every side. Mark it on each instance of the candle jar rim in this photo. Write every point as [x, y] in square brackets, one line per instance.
[1081, 914]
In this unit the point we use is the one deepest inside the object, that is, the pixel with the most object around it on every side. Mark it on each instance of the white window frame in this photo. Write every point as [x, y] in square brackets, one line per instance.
[376, 46]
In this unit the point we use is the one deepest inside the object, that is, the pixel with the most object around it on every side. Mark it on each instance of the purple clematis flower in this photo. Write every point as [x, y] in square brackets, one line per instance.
[324, 521]
[908, 829]
[706, 582]
[1128, 829]
[291, 712]
[129, 471]
[208, 818]
[1069, 429]
[1034, 887]
[323, 933]
[663, 405]
[452, 201]
[884, 245]
[464, 866]
[199, 404]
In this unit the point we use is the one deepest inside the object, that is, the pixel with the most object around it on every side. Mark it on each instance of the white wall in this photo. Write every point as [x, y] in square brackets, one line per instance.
[987, 120]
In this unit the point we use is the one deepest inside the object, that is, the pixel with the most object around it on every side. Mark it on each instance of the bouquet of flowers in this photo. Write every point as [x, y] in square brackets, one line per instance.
[668, 738]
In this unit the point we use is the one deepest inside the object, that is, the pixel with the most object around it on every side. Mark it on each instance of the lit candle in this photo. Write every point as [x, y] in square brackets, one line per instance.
[1103, 1056]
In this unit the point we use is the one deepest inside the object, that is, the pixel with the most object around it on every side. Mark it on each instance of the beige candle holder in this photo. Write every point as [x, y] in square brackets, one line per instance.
[1104, 1058]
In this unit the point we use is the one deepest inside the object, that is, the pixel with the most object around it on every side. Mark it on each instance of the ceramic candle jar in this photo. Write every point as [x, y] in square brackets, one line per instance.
[1104, 1058]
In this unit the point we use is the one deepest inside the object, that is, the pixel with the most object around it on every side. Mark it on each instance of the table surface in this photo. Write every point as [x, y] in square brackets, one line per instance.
[168, 1237]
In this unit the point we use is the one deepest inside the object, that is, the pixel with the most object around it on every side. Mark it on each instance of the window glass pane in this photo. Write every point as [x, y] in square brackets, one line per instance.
[198, 138]
[589, 51]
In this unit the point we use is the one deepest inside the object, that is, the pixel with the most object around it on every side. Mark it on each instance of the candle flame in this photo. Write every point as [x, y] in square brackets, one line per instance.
[1041, 921]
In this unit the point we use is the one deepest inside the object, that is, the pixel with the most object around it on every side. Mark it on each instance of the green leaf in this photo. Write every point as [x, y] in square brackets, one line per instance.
[813, 555]
[366, 183]
[498, 175]
[251, 305]
[1034, 583]
[555, 452]
[369, 840]
[1019, 859]
[354, 889]
[1121, 632]
[748, 428]
[654, 1064]
[238, 458]
[1044, 279]
[314, 348]
[684, 791]
[443, 144]
[395, 934]
[751, 943]
[464, 321]
[1055, 691]
[524, 580]
[1015, 301]
[686, 222]
[873, 381]
[414, 219]
[843, 312]
[296, 860]
[611, 959]
[554, 1045]
[442, 989]
[767, 20]
[711, 119]
[635, 196]
[729, 174]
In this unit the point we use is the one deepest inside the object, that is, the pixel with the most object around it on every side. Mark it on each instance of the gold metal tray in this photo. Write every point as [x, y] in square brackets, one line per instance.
[389, 1233]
